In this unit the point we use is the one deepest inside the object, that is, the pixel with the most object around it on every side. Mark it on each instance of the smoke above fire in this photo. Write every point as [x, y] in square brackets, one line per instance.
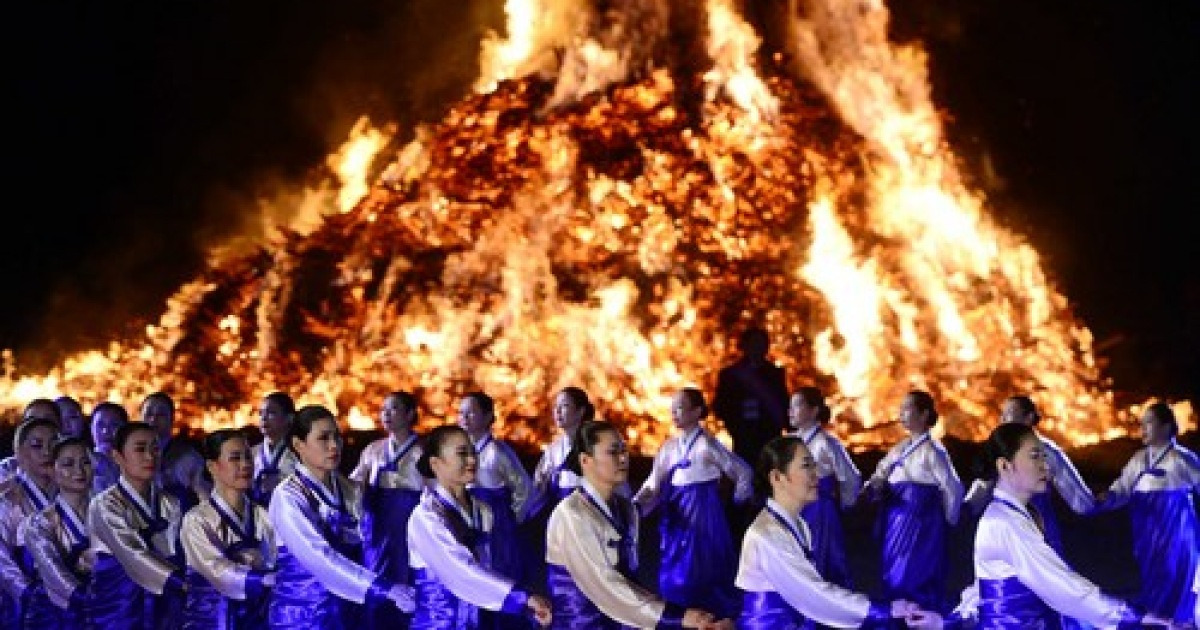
[610, 206]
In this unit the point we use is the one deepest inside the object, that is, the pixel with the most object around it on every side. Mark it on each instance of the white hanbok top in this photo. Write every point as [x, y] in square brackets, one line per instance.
[433, 546]
[498, 466]
[115, 521]
[207, 538]
[578, 539]
[922, 459]
[296, 513]
[20, 498]
[1171, 467]
[775, 559]
[1009, 544]
[695, 457]
[50, 536]
[833, 460]
[277, 456]
[1063, 475]
[384, 463]
[552, 466]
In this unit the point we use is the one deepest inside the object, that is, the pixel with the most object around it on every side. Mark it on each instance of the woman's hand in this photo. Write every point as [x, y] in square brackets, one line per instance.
[543, 613]
[696, 618]
[403, 597]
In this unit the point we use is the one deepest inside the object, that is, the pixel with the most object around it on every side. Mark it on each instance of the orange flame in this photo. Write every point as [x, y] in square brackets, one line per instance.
[578, 222]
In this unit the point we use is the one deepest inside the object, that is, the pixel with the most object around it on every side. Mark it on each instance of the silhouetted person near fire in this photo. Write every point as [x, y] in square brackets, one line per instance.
[752, 396]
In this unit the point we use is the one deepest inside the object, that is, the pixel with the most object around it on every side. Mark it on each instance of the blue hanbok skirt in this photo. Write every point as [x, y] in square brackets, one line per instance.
[385, 548]
[698, 562]
[913, 541]
[824, 518]
[1166, 546]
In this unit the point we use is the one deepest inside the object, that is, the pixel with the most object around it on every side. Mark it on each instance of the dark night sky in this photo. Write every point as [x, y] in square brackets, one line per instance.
[143, 131]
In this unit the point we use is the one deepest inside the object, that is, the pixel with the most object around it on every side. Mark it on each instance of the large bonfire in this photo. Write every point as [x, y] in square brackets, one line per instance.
[608, 209]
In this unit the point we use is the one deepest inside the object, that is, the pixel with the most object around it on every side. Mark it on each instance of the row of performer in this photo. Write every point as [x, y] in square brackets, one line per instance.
[137, 529]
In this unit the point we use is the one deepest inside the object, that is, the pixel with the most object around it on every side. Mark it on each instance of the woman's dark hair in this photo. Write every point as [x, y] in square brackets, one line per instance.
[585, 439]
[1003, 443]
[1165, 415]
[281, 400]
[111, 407]
[485, 403]
[814, 398]
[161, 397]
[27, 426]
[44, 403]
[1025, 405]
[695, 398]
[406, 400]
[211, 449]
[579, 398]
[67, 442]
[126, 430]
[924, 402]
[775, 455]
[306, 417]
[434, 441]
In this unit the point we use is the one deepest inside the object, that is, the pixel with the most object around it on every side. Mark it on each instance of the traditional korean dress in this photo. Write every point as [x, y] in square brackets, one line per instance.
[272, 464]
[924, 497]
[105, 472]
[26, 604]
[1023, 583]
[697, 554]
[57, 538]
[591, 552]
[392, 489]
[552, 481]
[837, 488]
[449, 554]
[783, 588]
[181, 473]
[1159, 486]
[228, 556]
[502, 483]
[321, 583]
[138, 578]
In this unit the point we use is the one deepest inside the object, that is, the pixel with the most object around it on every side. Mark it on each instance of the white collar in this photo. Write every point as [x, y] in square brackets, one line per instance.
[591, 490]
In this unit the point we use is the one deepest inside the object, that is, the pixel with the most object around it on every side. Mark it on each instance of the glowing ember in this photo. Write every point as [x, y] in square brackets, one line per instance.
[590, 218]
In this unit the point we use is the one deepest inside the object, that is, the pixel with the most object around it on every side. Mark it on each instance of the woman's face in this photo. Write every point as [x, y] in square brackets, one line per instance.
[34, 454]
[273, 420]
[104, 427]
[800, 413]
[455, 463]
[234, 468]
[73, 469]
[797, 482]
[472, 418]
[157, 413]
[1027, 473]
[394, 416]
[684, 414]
[608, 463]
[321, 451]
[138, 458]
[912, 417]
[1154, 431]
[567, 414]
[72, 418]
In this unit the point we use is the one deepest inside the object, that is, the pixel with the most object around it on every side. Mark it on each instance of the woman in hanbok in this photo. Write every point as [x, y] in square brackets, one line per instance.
[698, 559]
[273, 460]
[36, 409]
[1158, 484]
[921, 495]
[229, 544]
[838, 486]
[448, 550]
[70, 417]
[107, 417]
[181, 469]
[30, 491]
[57, 539]
[777, 570]
[1064, 478]
[138, 580]
[1021, 581]
[500, 481]
[321, 582]
[387, 468]
[591, 546]
[552, 482]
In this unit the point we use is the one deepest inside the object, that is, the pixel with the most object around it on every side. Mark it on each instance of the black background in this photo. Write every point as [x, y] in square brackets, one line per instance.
[142, 133]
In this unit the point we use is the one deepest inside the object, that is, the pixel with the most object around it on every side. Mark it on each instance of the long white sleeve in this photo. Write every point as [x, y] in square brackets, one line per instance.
[499, 466]
[432, 546]
[1067, 480]
[206, 541]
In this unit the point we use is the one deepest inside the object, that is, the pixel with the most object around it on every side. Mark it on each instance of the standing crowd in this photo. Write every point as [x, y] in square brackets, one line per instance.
[137, 529]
